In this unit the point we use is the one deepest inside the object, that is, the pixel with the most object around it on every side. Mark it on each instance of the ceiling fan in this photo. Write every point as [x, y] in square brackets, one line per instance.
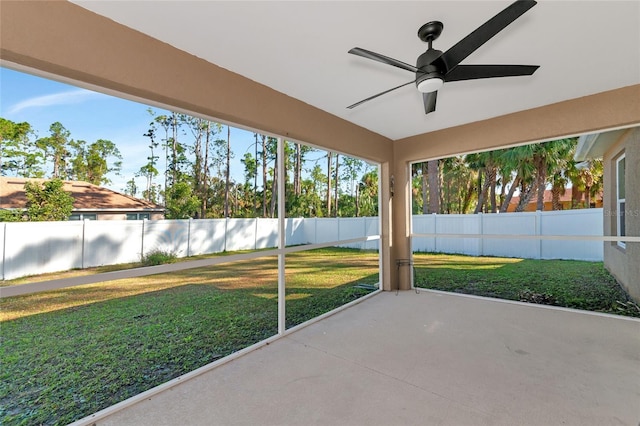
[433, 68]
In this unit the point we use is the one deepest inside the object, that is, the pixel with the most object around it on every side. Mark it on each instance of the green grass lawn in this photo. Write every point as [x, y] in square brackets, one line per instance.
[68, 353]
[568, 283]
[71, 352]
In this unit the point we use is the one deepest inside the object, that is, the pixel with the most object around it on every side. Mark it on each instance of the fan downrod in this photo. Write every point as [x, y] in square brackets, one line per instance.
[430, 31]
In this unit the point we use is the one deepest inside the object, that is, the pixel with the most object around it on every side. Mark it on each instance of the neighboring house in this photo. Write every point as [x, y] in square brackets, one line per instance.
[567, 202]
[91, 201]
[620, 151]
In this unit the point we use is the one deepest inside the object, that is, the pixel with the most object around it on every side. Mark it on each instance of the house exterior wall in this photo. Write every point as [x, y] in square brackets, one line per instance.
[548, 206]
[623, 263]
[123, 215]
[633, 219]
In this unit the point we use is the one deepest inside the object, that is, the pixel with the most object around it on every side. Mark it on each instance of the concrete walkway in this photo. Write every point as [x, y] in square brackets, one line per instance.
[421, 359]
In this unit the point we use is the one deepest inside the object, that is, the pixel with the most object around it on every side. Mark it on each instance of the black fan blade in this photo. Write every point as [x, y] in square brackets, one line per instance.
[472, 72]
[381, 58]
[429, 100]
[484, 32]
[379, 94]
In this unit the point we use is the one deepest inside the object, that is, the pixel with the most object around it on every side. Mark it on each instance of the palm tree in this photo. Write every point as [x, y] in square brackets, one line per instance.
[585, 181]
[562, 151]
[434, 186]
[486, 163]
[369, 193]
[535, 165]
[551, 158]
[458, 185]
[517, 161]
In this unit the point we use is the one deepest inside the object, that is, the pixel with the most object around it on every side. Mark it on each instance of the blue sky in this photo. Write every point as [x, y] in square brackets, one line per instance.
[90, 116]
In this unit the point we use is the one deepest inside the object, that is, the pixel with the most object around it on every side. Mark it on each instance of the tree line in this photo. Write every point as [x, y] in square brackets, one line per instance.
[188, 170]
[22, 154]
[488, 181]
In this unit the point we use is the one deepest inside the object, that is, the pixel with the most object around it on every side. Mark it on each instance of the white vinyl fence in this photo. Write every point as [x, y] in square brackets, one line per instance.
[586, 222]
[39, 247]
[29, 248]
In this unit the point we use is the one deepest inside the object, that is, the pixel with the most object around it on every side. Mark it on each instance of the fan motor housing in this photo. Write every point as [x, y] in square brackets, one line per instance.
[428, 69]
[425, 61]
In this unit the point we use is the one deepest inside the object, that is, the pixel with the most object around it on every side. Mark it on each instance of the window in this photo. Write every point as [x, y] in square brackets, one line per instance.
[83, 216]
[620, 198]
[138, 216]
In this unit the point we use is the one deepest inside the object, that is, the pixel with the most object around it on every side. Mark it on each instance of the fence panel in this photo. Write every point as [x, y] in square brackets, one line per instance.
[424, 224]
[206, 236]
[327, 229]
[576, 222]
[294, 228]
[371, 229]
[309, 229]
[458, 224]
[41, 247]
[241, 234]
[510, 224]
[111, 242]
[167, 236]
[3, 226]
[266, 233]
[352, 227]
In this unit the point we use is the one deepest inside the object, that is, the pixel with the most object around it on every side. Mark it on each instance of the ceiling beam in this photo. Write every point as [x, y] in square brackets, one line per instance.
[617, 108]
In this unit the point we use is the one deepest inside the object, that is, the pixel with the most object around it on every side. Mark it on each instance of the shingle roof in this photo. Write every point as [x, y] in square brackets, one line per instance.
[86, 195]
[548, 197]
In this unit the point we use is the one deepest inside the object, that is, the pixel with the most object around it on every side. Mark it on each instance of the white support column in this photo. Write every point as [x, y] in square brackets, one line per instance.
[385, 223]
[281, 239]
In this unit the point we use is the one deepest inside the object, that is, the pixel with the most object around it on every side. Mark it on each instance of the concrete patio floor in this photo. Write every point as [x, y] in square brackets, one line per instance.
[421, 359]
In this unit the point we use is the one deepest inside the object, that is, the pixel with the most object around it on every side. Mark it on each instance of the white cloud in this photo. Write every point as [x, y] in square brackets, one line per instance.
[63, 98]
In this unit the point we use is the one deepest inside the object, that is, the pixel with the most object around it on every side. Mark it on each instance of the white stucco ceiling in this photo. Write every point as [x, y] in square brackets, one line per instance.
[300, 48]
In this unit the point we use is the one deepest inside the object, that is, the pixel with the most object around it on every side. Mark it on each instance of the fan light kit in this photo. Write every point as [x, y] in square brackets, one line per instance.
[434, 68]
[430, 84]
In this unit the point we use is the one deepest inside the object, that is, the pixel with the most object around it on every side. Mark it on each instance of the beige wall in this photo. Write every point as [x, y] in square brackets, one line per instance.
[123, 216]
[65, 40]
[623, 263]
[633, 206]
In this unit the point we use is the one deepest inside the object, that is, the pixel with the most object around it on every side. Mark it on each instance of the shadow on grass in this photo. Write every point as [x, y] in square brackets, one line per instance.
[64, 365]
[304, 303]
[568, 283]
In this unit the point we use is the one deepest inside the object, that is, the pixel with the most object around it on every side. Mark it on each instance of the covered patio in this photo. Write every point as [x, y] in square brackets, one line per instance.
[393, 358]
[442, 359]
